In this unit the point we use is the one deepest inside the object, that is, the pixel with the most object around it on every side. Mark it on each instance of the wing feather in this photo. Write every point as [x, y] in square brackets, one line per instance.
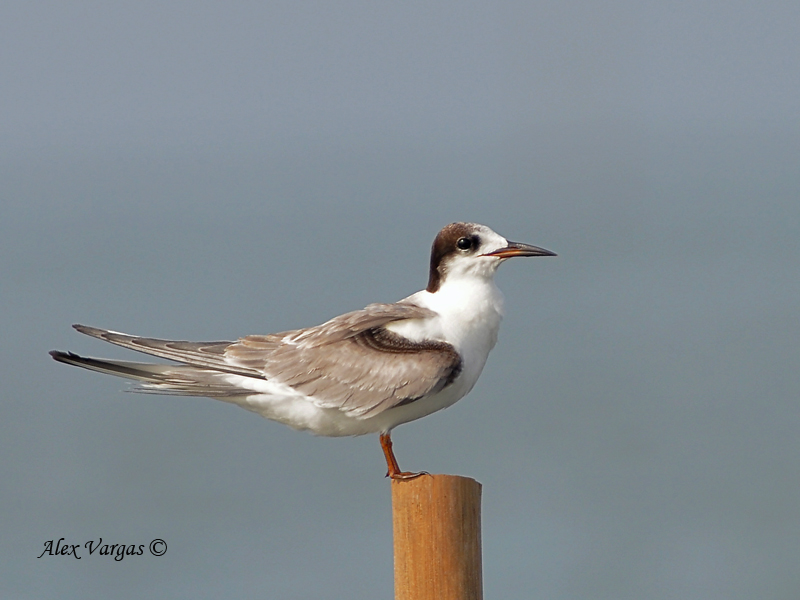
[351, 363]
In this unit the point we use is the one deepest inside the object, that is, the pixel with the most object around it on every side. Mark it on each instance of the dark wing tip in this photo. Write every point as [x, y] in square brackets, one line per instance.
[63, 357]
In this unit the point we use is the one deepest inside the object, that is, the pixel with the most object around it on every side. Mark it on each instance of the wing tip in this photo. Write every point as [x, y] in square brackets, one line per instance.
[87, 330]
[68, 358]
[58, 355]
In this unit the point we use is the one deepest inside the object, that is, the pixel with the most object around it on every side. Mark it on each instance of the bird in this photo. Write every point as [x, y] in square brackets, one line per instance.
[363, 372]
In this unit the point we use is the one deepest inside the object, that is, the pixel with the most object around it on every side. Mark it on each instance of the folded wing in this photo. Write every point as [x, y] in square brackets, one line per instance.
[351, 363]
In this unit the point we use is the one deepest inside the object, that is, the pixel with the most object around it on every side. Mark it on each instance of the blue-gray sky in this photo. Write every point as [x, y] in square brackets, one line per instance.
[209, 170]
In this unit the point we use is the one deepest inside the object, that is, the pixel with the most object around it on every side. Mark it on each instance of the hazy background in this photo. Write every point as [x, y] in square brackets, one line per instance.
[202, 170]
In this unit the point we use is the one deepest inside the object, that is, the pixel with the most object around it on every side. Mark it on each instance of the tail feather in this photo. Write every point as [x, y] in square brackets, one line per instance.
[177, 380]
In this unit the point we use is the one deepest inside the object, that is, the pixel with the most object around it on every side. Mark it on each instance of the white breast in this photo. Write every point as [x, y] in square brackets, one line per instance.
[469, 315]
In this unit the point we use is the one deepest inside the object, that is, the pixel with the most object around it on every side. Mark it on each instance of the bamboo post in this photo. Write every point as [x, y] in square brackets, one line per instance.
[437, 538]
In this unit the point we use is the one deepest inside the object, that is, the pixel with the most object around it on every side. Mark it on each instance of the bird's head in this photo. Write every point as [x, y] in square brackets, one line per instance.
[472, 250]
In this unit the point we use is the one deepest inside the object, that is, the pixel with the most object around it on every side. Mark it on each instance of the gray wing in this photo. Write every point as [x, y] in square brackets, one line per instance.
[351, 363]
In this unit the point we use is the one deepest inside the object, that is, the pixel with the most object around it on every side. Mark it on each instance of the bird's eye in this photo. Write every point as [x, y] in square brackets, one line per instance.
[464, 243]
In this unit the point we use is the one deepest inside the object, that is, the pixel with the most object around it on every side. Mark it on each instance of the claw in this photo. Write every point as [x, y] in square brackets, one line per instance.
[406, 475]
[394, 471]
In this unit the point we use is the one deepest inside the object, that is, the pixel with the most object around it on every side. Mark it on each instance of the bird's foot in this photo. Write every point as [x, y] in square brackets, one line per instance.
[405, 475]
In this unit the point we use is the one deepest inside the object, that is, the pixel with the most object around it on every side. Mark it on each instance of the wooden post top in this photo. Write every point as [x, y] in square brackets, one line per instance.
[437, 538]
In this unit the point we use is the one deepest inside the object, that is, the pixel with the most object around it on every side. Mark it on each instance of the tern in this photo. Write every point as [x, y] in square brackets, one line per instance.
[362, 372]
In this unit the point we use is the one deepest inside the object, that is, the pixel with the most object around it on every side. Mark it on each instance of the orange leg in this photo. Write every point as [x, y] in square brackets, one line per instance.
[391, 462]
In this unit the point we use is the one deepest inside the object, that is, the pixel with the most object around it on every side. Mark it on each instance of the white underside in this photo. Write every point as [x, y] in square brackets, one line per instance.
[469, 312]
